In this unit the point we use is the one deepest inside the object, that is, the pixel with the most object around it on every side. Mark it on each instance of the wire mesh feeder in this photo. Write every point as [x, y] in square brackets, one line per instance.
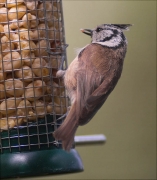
[32, 48]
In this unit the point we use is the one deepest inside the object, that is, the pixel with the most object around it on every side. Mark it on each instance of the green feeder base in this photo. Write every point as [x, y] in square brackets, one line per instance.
[38, 163]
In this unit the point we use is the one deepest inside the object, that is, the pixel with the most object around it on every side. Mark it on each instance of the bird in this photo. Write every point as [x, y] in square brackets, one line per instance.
[91, 77]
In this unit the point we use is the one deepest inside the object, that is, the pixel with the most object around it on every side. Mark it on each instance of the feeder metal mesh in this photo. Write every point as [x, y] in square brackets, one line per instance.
[32, 48]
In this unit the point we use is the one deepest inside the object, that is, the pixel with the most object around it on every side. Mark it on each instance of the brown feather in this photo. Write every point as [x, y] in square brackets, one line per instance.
[98, 72]
[67, 130]
[89, 80]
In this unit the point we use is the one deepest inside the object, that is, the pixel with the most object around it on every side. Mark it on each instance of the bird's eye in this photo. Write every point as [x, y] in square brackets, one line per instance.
[115, 31]
[99, 29]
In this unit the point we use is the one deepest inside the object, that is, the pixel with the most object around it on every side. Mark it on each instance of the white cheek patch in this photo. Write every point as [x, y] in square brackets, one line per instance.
[115, 41]
[108, 33]
[99, 36]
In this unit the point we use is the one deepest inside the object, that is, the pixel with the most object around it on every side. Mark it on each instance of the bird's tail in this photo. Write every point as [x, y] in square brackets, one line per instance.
[66, 131]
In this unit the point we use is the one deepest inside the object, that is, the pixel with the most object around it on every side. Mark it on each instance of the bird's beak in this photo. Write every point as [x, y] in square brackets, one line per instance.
[87, 31]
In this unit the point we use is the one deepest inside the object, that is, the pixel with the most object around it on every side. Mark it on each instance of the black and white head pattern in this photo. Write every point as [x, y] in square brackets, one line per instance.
[110, 35]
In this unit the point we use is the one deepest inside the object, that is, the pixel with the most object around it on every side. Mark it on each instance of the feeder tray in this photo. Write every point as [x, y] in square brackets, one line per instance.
[32, 98]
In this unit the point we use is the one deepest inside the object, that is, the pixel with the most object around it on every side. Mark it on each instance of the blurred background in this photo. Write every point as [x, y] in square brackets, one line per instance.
[128, 118]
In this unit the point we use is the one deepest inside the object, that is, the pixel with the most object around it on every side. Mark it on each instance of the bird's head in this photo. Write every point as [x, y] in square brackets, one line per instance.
[110, 35]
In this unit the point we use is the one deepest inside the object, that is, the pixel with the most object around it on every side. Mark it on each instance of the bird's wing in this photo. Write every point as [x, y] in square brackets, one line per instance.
[93, 81]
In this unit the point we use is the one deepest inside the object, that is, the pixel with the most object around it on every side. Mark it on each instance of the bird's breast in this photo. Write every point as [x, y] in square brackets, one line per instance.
[70, 79]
